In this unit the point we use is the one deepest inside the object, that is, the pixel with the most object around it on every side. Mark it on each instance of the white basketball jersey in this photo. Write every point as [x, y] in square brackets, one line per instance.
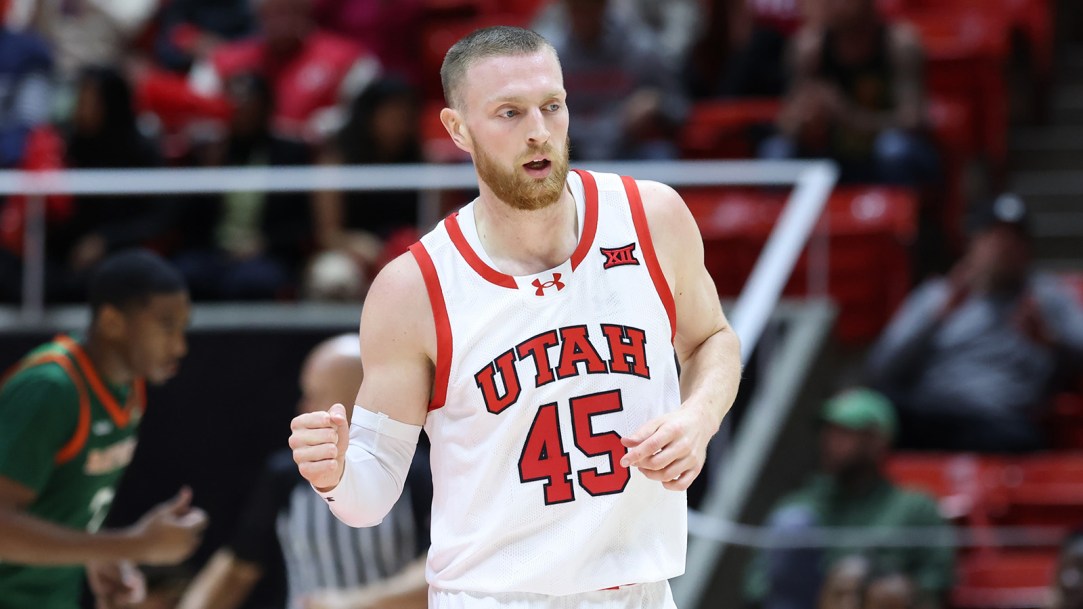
[537, 379]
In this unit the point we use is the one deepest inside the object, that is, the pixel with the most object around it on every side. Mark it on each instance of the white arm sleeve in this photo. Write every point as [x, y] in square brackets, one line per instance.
[377, 462]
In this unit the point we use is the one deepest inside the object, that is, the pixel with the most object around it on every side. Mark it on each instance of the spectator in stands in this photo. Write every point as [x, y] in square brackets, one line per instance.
[850, 491]
[26, 67]
[761, 31]
[858, 97]
[675, 24]
[358, 226]
[25, 87]
[628, 100]
[104, 134]
[312, 72]
[246, 245]
[889, 590]
[190, 30]
[391, 30]
[971, 359]
[1068, 585]
[90, 32]
[329, 565]
[844, 583]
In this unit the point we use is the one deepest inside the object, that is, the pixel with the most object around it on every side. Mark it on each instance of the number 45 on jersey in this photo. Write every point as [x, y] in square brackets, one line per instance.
[544, 456]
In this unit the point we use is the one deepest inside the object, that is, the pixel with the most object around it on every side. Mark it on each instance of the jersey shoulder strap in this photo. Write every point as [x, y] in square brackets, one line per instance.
[54, 353]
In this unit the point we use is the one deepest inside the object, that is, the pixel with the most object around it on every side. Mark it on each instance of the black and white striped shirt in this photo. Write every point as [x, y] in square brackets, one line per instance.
[287, 518]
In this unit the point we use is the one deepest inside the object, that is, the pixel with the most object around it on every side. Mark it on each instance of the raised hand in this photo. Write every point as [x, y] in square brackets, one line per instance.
[319, 441]
[170, 531]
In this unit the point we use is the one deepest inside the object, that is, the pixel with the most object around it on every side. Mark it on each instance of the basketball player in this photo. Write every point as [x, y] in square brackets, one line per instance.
[70, 411]
[533, 334]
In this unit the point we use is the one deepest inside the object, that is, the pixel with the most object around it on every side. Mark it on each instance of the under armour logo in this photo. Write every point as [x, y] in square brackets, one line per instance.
[619, 256]
[555, 283]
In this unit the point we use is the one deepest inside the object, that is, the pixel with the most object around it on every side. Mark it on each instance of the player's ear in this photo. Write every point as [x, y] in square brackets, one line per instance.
[456, 128]
[111, 322]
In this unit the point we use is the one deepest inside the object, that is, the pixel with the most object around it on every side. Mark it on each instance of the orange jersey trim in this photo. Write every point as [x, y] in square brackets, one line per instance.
[120, 416]
[78, 439]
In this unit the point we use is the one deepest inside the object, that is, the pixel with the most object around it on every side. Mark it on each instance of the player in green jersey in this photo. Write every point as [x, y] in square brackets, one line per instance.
[69, 411]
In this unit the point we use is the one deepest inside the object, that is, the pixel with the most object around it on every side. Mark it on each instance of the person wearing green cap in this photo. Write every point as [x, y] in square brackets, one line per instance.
[850, 490]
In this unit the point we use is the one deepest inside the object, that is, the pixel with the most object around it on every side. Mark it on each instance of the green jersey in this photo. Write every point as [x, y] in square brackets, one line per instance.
[67, 435]
[882, 506]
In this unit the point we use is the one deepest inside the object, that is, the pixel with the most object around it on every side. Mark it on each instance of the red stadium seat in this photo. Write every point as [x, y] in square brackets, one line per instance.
[440, 34]
[869, 231]
[43, 150]
[961, 482]
[442, 9]
[526, 9]
[1043, 490]
[1032, 19]
[967, 50]
[720, 129]
[1011, 580]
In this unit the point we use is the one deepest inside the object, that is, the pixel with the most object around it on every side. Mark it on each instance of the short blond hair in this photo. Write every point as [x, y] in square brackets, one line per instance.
[496, 41]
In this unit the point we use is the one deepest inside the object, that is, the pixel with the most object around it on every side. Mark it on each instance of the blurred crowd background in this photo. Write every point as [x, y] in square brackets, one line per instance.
[954, 238]
[916, 95]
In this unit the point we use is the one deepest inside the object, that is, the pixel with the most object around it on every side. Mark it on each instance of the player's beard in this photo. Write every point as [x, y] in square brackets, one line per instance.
[519, 190]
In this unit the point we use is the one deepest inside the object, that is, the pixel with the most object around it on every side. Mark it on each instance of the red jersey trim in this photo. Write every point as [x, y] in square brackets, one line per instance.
[590, 218]
[443, 325]
[73, 446]
[643, 233]
[120, 416]
[586, 239]
[488, 273]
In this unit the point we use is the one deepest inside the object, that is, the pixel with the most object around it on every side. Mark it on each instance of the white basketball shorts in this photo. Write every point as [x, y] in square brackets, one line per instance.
[656, 595]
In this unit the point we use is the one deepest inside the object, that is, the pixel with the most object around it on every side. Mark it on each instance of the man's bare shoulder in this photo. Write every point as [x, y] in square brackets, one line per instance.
[400, 277]
[397, 304]
[398, 343]
[667, 214]
[674, 233]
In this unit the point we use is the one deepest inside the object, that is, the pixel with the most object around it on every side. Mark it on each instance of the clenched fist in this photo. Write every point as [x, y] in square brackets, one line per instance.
[319, 442]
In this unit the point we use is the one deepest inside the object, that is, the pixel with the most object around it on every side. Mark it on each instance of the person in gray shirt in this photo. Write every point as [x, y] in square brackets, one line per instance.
[624, 88]
[971, 359]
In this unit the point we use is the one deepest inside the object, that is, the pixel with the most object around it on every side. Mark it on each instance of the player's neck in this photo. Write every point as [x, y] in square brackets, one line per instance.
[527, 242]
[107, 360]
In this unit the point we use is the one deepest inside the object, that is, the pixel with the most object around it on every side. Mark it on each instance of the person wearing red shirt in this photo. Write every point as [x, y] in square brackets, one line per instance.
[313, 73]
